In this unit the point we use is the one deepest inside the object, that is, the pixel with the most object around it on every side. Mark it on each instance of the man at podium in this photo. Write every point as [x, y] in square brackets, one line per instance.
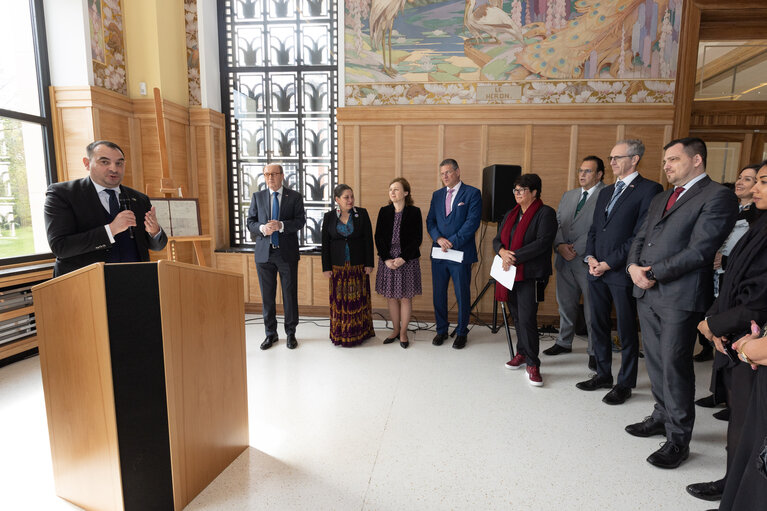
[96, 219]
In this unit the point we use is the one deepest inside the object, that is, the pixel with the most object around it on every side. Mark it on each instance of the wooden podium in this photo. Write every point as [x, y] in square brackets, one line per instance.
[144, 375]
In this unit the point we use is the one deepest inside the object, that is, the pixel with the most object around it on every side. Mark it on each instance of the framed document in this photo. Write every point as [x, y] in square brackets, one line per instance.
[178, 217]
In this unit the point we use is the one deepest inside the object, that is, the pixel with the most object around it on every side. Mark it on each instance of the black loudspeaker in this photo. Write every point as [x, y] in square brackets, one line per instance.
[498, 191]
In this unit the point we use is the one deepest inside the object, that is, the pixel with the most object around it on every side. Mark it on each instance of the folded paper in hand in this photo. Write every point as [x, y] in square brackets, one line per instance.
[451, 255]
[505, 278]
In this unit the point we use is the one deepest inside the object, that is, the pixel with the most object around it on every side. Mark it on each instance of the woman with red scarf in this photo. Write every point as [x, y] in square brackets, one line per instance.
[525, 240]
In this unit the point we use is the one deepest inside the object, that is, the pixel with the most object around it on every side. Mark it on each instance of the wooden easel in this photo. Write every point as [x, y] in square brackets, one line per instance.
[169, 190]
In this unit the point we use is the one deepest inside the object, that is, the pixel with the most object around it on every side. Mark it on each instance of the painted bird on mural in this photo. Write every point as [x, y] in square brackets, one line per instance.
[382, 14]
[488, 19]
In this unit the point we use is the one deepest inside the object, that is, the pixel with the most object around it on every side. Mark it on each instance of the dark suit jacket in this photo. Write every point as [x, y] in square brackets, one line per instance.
[680, 245]
[458, 227]
[74, 221]
[410, 232]
[610, 237]
[535, 252]
[292, 216]
[334, 243]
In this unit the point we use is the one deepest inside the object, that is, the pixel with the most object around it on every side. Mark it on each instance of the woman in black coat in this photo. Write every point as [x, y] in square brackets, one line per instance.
[347, 260]
[525, 240]
[399, 233]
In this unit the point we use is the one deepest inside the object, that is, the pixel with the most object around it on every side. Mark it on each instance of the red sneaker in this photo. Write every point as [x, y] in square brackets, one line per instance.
[534, 376]
[517, 362]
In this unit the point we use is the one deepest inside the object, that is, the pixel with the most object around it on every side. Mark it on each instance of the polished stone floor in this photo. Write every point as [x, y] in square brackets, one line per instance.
[381, 428]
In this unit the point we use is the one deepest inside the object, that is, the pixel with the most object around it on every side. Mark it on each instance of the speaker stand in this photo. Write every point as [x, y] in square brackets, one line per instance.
[478, 321]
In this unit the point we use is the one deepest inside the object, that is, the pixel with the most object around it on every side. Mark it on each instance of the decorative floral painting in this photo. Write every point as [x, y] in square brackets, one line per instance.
[192, 52]
[107, 45]
[510, 51]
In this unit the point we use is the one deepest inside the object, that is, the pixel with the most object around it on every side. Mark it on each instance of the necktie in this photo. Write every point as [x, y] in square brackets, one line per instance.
[581, 203]
[114, 206]
[275, 216]
[674, 196]
[618, 188]
[448, 201]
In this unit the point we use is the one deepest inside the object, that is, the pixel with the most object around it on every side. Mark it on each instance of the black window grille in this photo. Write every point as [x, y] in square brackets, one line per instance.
[279, 77]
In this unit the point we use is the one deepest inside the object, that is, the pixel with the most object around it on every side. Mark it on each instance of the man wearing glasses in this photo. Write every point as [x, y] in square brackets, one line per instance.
[275, 216]
[574, 216]
[619, 212]
[453, 218]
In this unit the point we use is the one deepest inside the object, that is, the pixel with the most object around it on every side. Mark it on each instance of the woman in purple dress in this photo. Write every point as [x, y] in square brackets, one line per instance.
[399, 233]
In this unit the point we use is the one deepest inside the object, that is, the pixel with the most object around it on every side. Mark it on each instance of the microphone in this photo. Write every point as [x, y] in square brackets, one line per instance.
[125, 205]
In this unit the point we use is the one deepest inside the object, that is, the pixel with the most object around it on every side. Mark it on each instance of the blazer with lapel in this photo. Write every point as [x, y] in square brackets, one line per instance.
[292, 216]
[74, 221]
[535, 252]
[334, 243]
[680, 245]
[610, 237]
[461, 224]
[575, 229]
[410, 232]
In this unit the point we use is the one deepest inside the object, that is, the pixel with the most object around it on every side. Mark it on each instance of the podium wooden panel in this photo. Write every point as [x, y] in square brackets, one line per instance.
[144, 375]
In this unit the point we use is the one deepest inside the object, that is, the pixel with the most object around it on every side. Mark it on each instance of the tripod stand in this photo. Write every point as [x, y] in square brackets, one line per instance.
[494, 327]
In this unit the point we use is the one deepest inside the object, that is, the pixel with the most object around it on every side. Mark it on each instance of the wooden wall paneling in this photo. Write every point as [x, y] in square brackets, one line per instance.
[528, 148]
[320, 283]
[506, 145]
[654, 138]
[599, 141]
[573, 162]
[221, 195]
[463, 143]
[236, 262]
[306, 280]
[251, 278]
[134, 154]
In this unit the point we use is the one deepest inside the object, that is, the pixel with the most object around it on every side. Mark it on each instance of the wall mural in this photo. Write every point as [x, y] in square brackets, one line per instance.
[107, 45]
[510, 51]
[192, 53]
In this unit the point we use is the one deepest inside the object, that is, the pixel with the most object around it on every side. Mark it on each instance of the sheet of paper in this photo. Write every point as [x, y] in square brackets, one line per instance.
[451, 255]
[505, 278]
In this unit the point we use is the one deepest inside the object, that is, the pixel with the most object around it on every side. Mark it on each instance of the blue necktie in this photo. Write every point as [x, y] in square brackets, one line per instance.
[114, 206]
[275, 216]
[618, 187]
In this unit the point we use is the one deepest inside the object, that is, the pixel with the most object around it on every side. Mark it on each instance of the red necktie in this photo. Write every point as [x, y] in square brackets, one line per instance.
[674, 196]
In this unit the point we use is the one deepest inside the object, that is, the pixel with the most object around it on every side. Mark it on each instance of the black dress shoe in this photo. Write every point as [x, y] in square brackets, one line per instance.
[707, 491]
[618, 395]
[704, 355]
[592, 362]
[270, 339]
[404, 344]
[460, 342]
[390, 340]
[556, 350]
[723, 415]
[648, 427]
[292, 342]
[706, 402]
[670, 455]
[595, 383]
[439, 339]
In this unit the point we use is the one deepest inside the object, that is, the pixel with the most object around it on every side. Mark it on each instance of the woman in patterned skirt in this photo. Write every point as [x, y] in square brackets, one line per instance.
[347, 260]
[399, 233]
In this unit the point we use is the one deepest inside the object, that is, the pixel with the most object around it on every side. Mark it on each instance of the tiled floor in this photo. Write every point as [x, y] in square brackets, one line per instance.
[381, 428]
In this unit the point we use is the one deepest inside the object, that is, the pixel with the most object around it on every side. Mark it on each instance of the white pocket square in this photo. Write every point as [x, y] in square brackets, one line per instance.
[461, 204]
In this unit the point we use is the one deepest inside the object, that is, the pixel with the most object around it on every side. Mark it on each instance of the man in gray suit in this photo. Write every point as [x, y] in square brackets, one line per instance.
[274, 219]
[670, 263]
[574, 215]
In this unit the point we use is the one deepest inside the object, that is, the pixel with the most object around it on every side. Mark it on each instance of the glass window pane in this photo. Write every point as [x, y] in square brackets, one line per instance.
[722, 163]
[731, 70]
[23, 183]
[18, 66]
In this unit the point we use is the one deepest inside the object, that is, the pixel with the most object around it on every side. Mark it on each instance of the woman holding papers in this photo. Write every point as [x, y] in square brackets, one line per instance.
[399, 233]
[525, 239]
[347, 260]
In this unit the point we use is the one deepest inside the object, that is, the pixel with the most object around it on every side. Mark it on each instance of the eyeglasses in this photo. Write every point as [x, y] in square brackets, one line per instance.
[616, 158]
[520, 191]
[585, 171]
[270, 174]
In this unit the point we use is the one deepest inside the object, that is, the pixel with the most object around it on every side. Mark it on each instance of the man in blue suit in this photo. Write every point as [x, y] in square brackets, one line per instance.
[276, 215]
[618, 214]
[453, 218]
